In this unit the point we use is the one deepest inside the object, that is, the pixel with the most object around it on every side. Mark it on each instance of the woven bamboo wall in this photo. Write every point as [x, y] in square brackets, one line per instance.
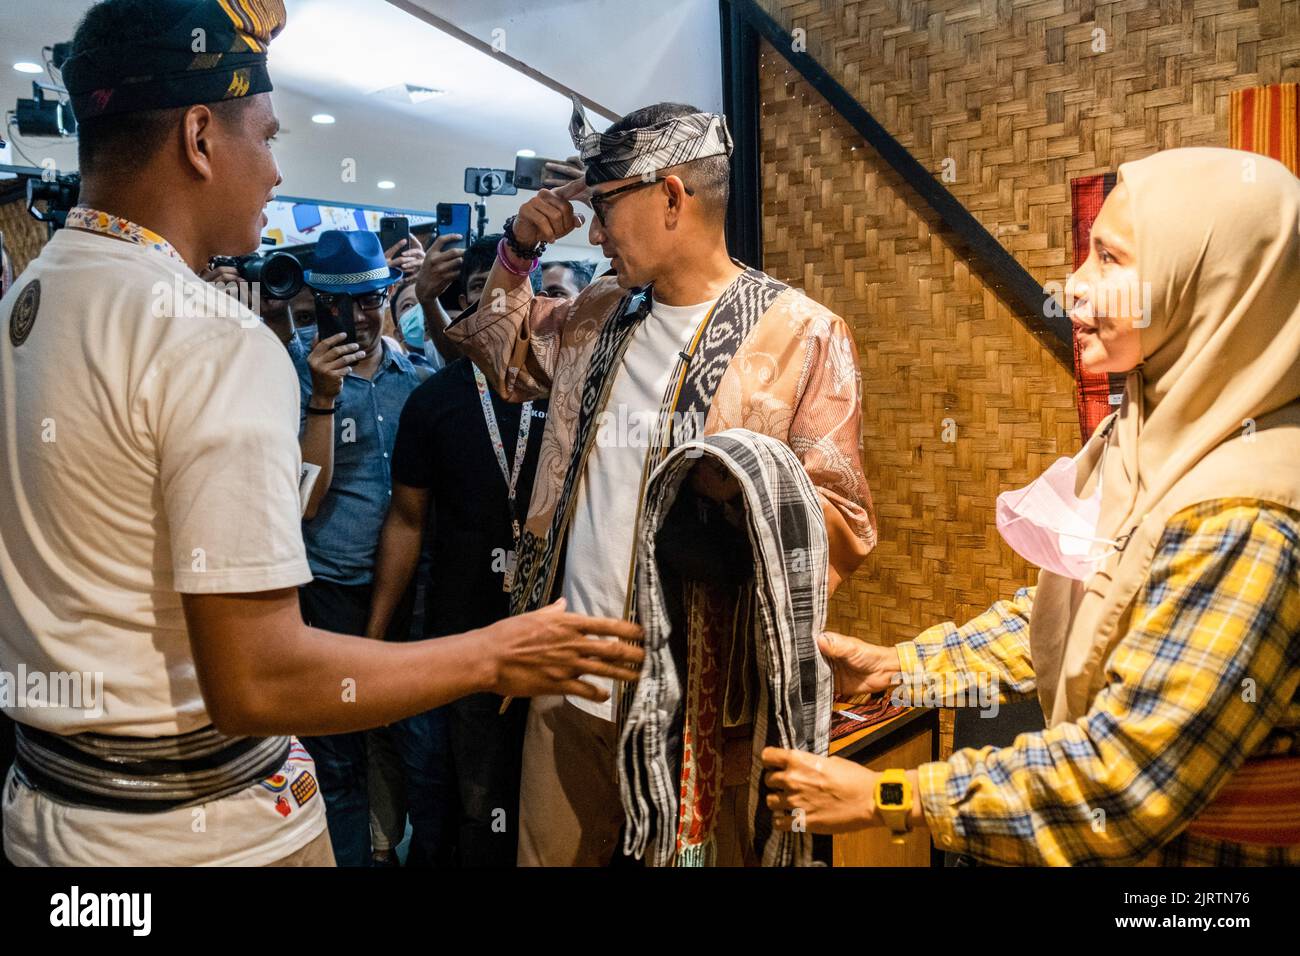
[1018, 99]
[1016, 96]
[939, 352]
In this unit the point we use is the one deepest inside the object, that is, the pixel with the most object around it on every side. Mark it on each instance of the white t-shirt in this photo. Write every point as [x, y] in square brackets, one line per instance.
[603, 526]
[150, 433]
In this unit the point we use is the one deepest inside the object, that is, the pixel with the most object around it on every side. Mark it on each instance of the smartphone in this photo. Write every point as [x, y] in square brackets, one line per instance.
[530, 171]
[483, 181]
[453, 218]
[336, 317]
[393, 229]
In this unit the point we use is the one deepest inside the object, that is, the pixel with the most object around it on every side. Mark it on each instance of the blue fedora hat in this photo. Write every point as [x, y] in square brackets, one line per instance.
[350, 262]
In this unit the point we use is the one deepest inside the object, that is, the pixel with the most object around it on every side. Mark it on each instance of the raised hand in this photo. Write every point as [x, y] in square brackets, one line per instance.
[439, 269]
[405, 255]
[330, 361]
[550, 216]
[560, 174]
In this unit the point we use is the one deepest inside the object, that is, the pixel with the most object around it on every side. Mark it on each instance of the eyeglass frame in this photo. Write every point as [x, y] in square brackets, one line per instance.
[600, 201]
[379, 299]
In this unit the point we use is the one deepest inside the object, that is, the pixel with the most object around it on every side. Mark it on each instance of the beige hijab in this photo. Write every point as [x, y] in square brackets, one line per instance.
[1213, 411]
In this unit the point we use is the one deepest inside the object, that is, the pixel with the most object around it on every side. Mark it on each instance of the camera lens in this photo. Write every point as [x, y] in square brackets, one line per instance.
[250, 268]
[279, 273]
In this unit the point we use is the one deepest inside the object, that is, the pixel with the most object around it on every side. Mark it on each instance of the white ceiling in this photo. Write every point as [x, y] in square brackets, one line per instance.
[623, 54]
[337, 56]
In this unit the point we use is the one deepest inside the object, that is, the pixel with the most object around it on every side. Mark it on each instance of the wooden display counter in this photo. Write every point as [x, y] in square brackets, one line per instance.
[905, 741]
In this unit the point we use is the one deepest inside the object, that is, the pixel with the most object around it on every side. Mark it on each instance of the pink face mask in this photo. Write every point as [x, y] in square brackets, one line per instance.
[1047, 525]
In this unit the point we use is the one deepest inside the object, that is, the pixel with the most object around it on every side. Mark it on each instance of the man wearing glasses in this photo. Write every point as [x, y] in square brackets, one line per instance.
[682, 341]
[352, 390]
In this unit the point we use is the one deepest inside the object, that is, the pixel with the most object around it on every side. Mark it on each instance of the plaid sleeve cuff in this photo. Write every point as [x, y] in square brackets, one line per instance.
[927, 645]
[908, 660]
[932, 787]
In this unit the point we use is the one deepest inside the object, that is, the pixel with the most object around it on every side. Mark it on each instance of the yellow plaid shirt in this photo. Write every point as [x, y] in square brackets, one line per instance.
[1206, 674]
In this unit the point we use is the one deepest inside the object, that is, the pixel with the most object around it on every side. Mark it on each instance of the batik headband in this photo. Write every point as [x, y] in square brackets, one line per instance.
[637, 152]
[203, 51]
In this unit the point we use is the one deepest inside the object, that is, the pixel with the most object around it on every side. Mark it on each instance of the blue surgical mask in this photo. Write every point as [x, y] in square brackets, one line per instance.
[411, 323]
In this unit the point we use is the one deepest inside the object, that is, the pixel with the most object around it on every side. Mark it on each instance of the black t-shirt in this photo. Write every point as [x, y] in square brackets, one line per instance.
[443, 445]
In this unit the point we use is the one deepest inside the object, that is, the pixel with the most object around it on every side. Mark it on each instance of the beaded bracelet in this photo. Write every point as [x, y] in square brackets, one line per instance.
[501, 257]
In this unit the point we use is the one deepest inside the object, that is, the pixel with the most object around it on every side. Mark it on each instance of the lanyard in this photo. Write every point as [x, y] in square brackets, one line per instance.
[510, 475]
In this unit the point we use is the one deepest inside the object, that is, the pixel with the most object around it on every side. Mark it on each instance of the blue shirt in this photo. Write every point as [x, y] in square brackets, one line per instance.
[341, 539]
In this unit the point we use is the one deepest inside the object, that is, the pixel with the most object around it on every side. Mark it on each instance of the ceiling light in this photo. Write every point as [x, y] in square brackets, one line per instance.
[527, 153]
[26, 67]
[386, 184]
[325, 119]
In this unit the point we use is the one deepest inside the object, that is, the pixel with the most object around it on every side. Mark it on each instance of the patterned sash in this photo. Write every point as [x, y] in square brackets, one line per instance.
[734, 316]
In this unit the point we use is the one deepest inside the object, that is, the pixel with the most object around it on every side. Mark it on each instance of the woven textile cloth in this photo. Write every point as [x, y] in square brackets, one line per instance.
[646, 151]
[1266, 120]
[670, 767]
[850, 720]
[1093, 391]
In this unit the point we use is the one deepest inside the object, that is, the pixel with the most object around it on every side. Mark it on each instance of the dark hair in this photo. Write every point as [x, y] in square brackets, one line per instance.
[394, 291]
[582, 269]
[479, 257]
[710, 177]
[123, 142]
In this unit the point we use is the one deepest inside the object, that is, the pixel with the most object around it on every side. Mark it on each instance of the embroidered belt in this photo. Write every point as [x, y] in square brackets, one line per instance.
[144, 774]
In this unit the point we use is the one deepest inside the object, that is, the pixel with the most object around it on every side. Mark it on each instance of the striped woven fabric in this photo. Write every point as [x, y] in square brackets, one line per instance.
[1266, 120]
[668, 787]
[646, 151]
[144, 774]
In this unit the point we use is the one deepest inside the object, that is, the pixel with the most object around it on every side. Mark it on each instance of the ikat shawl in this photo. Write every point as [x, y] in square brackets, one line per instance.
[670, 763]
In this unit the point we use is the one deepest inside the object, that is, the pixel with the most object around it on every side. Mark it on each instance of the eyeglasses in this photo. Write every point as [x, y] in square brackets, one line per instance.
[368, 300]
[600, 201]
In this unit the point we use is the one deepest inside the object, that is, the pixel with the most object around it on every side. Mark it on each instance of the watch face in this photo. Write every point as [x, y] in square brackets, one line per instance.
[891, 794]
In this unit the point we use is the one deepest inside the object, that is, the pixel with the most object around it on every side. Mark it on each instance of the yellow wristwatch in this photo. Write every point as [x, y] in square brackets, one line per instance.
[894, 802]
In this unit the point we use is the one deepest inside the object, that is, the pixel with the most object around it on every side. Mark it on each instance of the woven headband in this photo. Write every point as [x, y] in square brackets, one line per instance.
[637, 152]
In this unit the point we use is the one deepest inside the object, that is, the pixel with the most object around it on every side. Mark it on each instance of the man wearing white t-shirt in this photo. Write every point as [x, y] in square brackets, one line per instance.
[150, 547]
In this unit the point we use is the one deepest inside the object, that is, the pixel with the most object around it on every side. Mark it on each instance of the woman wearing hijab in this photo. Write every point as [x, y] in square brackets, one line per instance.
[1163, 637]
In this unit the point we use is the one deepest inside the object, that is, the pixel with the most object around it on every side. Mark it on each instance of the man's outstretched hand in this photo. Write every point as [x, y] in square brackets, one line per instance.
[544, 652]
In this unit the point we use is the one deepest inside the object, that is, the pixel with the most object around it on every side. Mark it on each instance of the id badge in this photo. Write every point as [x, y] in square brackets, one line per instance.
[508, 579]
